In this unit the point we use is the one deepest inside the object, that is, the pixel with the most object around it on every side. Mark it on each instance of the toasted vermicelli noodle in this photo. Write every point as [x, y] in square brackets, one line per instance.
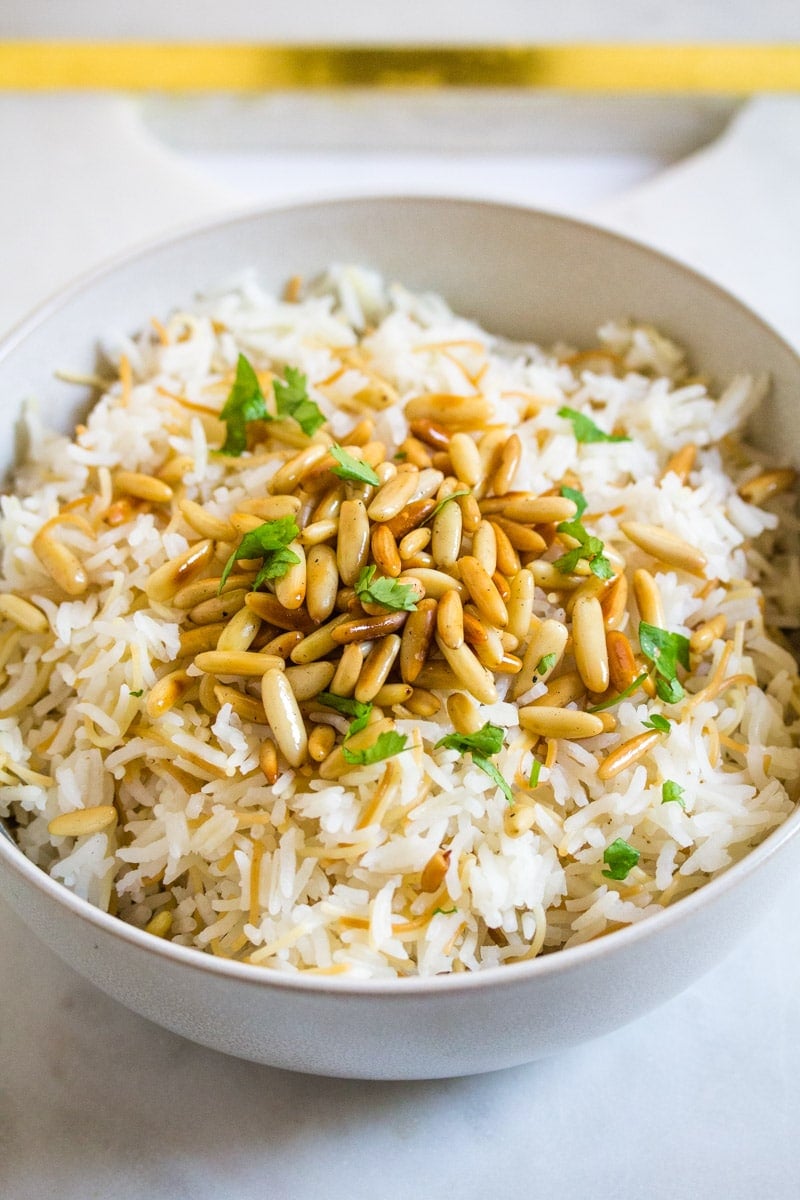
[345, 635]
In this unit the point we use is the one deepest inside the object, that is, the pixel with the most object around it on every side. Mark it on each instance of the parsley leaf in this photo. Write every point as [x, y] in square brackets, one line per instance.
[291, 399]
[137, 694]
[245, 403]
[268, 542]
[352, 468]
[387, 745]
[590, 548]
[672, 793]
[585, 429]
[536, 768]
[577, 498]
[446, 500]
[619, 857]
[349, 708]
[658, 722]
[545, 664]
[385, 591]
[665, 651]
[445, 912]
[629, 690]
[488, 740]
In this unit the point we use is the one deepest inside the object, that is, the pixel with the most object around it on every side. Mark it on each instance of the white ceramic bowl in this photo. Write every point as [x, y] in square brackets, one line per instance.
[526, 274]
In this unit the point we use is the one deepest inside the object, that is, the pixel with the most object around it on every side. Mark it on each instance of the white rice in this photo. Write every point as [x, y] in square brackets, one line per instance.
[330, 895]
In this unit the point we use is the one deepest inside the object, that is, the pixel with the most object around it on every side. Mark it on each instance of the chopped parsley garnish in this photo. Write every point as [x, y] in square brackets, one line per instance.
[536, 768]
[385, 591]
[349, 708]
[351, 468]
[672, 793]
[486, 741]
[246, 403]
[446, 500]
[620, 858]
[387, 745]
[585, 429]
[590, 548]
[291, 399]
[545, 664]
[629, 690]
[665, 651]
[577, 498]
[268, 542]
[137, 694]
[445, 912]
[658, 722]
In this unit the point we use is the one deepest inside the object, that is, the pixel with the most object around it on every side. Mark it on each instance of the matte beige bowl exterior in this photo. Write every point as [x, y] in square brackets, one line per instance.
[529, 275]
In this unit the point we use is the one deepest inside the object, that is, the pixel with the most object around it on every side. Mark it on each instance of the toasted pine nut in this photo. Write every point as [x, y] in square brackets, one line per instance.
[237, 662]
[268, 760]
[240, 632]
[423, 703]
[327, 509]
[429, 481]
[484, 594]
[174, 470]
[271, 508]
[666, 546]
[681, 462]
[507, 557]
[284, 717]
[320, 742]
[24, 614]
[348, 670]
[506, 469]
[434, 871]
[416, 640]
[393, 496]
[376, 668]
[83, 821]
[519, 819]
[705, 634]
[614, 602]
[205, 523]
[521, 537]
[287, 477]
[484, 547]
[245, 522]
[290, 588]
[548, 638]
[167, 579]
[205, 637]
[322, 582]
[309, 679]
[648, 598]
[540, 510]
[319, 531]
[393, 693]
[318, 644]
[446, 535]
[622, 668]
[218, 608]
[144, 487]
[475, 631]
[411, 517]
[463, 712]
[470, 512]
[282, 644]
[520, 604]
[464, 412]
[434, 583]
[465, 459]
[385, 551]
[167, 692]
[428, 431]
[273, 612]
[589, 639]
[352, 543]
[770, 483]
[450, 619]
[61, 564]
[591, 586]
[199, 590]
[439, 676]
[416, 453]
[627, 754]
[207, 695]
[490, 650]
[363, 629]
[473, 675]
[246, 707]
[502, 585]
[559, 722]
[360, 434]
[562, 691]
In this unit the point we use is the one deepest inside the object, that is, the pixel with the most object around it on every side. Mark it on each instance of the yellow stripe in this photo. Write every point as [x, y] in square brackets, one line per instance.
[202, 67]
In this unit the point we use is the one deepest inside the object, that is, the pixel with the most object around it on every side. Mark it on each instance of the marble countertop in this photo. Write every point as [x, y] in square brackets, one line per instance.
[698, 1098]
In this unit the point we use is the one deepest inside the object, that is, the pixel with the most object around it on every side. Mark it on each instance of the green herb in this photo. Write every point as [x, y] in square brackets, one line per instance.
[349, 708]
[665, 651]
[268, 542]
[620, 858]
[536, 768]
[545, 664]
[488, 740]
[138, 693]
[291, 399]
[672, 793]
[590, 548]
[629, 690]
[446, 500]
[445, 912]
[658, 722]
[352, 468]
[400, 456]
[385, 591]
[245, 403]
[387, 745]
[577, 498]
[585, 429]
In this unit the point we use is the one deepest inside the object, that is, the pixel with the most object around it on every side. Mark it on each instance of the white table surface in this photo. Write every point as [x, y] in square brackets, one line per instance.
[700, 1098]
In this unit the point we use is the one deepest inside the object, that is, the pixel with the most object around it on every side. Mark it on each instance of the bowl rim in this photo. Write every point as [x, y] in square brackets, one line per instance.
[505, 975]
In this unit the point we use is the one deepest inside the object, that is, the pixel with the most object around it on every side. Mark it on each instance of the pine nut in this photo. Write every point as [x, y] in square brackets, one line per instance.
[61, 564]
[272, 508]
[520, 604]
[475, 631]
[627, 754]
[247, 707]
[327, 509]
[465, 412]
[348, 670]
[622, 667]
[385, 551]
[439, 676]
[502, 585]
[144, 487]
[24, 614]
[548, 638]
[318, 532]
[219, 608]
[559, 722]
[473, 675]
[284, 717]
[416, 640]
[681, 462]
[434, 871]
[428, 431]
[167, 692]
[207, 696]
[376, 668]
[450, 619]
[290, 589]
[484, 547]
[666, 546]
[204, 523]
[589, 642]
[506, 469]
[470, 512]
[200, 590]
[272, 611]
[565, 690]
[614, 602]
[322, 582]
[521, 537]
[167, 579]
[770, 483]
[482, 590]
[422, 703]
[703, 637]
[519, 819]
[434, 583]
[287, 477]
[446, 535]
[310, 679]
[352, 543]
[240, 632]
[320, 742]
[463, 712]
[648, 598]
[83, 821]
[411, 517]
[237, 662]
[318, 644]
[416, 453]
[364, 629]
[465, 459]
[268, 760]
[507, 557]
[393, 496]
[282, 644]
[540, 510]
[205, 637]
[360, 434]
[428, 483]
